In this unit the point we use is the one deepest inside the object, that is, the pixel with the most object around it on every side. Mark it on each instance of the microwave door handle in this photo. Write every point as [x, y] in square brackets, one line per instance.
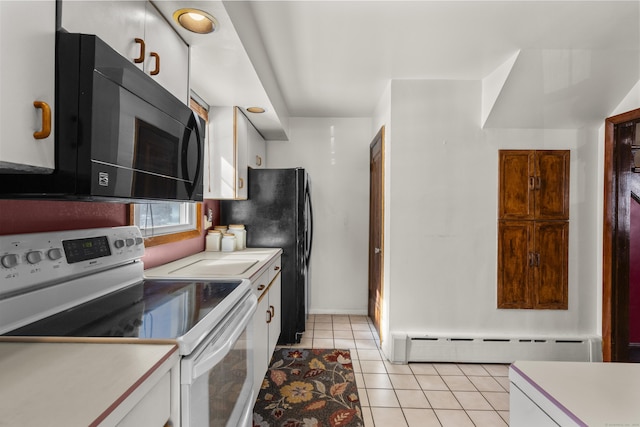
[200, 145]
[204, 365]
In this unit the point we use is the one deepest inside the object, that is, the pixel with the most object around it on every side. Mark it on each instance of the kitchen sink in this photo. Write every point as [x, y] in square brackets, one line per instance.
[216, 267]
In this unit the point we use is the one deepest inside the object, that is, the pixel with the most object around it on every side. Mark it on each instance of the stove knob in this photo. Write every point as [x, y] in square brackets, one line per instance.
[54, 254]
[130, 242]
[118, 243]
[34, 257]
[10, 260]
[139, 240]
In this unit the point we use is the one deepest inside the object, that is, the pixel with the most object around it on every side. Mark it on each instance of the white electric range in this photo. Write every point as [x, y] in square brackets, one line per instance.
[90, 284]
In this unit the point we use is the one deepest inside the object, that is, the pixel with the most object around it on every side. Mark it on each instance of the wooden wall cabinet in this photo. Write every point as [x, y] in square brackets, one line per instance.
[533, 228]
[534, 184]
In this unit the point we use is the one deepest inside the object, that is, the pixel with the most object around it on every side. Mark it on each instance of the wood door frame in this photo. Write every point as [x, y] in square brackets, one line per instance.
[380, 136]
[610, 235]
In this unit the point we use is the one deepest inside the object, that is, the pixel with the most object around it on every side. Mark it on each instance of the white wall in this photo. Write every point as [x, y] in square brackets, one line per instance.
[443, 218]
[335, 152]
[382, 117]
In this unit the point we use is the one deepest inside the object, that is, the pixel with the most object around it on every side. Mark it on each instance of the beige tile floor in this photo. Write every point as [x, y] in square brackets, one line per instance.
[417, 394]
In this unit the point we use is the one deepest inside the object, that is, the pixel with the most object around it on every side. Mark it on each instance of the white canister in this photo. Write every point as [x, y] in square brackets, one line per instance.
[212, 241]
[221, 228]
[228, 242]
[241, 235]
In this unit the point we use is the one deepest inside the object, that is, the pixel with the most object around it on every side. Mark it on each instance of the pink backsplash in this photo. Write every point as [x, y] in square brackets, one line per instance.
[35, 216]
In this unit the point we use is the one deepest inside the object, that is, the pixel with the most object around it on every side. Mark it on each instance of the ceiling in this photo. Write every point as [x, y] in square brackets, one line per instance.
[560, 64]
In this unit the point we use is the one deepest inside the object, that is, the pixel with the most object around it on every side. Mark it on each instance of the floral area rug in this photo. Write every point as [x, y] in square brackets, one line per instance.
[309, 388]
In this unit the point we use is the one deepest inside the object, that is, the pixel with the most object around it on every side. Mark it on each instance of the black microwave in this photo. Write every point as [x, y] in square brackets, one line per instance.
[120, 136]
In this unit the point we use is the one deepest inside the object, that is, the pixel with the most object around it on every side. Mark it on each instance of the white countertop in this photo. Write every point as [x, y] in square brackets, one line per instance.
[245, 264]
[583, 393]
[71, 384]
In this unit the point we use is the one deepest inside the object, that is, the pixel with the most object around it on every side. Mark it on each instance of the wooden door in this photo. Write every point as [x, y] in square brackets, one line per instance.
[551, 184]
[516, 201]
[376, 229]
[620, 192]
[515, 278]
[551, 264]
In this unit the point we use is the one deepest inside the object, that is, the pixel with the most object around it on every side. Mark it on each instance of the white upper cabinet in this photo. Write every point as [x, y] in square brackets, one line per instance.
[27, 48]
[117, 23]
[167, 56]
[137, 31]
[225, 172]
[257, 149]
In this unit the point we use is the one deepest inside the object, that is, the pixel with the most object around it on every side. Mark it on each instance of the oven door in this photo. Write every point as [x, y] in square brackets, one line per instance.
[217, 378]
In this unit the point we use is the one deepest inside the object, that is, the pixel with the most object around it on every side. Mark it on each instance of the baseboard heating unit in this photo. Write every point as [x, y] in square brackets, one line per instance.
[469, 349]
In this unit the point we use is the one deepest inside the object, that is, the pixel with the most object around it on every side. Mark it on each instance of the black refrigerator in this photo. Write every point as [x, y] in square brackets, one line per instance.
[278, 214]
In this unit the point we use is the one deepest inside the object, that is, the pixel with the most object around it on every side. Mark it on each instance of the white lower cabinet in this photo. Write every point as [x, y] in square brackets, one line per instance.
[154, 408]
[267, 320]
[155, 402]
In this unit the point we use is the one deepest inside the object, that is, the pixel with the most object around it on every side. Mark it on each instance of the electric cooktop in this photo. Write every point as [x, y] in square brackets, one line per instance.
[159, 309]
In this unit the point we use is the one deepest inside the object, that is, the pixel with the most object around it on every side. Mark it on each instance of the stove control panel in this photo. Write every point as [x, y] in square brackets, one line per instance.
[30, 261]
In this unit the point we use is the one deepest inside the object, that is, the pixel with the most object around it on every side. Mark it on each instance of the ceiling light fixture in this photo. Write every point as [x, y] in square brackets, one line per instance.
[195, 20]
[257, 110]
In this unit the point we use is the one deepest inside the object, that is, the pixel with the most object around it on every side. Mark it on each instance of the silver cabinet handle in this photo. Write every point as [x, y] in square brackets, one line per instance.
[377, 250]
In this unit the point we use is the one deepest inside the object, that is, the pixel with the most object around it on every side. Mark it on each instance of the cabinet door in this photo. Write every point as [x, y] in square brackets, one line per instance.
[275, 305]
[120, 23]
[220, 175]
[27, 47]
[515, 256]
[516, 182]
[226, 176]
[167, 56]
[242, 144]
[552, 184]
[257, 149]
[117, 23]
[552, 252]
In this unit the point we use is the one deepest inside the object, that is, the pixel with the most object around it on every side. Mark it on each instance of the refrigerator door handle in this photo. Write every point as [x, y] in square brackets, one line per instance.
[309, 243]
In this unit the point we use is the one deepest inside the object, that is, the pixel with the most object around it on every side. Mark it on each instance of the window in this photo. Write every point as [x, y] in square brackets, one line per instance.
[167, 222]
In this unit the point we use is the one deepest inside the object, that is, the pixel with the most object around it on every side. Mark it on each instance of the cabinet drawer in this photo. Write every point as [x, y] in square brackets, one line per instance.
[154, 408]
[274, 268]
[261, 284]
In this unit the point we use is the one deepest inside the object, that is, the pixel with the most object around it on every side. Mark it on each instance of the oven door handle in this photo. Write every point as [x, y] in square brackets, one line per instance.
[223, 345]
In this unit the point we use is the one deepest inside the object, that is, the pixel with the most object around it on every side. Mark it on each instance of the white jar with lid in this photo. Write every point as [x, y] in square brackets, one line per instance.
[221, 228]
[241, 235]
[228, 242]
[212, 241]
